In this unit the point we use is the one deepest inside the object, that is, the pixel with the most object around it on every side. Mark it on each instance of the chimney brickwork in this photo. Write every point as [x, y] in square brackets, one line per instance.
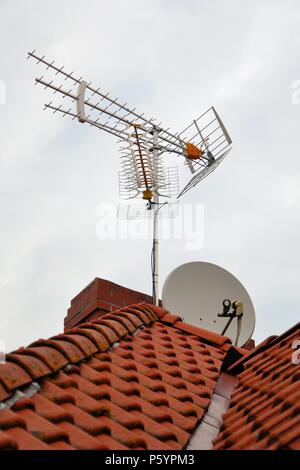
[98, 298]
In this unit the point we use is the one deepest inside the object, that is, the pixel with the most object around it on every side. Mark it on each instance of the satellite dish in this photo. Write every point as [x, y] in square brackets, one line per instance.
[210, 297]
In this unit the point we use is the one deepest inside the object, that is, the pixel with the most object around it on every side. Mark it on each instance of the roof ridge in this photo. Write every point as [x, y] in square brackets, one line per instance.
[45, 356]
[177, 322]
[269, 342]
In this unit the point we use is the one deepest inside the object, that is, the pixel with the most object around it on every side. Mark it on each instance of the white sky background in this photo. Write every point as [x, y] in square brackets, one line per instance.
[171, 59]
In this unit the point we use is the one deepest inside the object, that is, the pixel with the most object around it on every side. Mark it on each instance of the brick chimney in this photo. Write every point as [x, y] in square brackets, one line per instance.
[98, 298]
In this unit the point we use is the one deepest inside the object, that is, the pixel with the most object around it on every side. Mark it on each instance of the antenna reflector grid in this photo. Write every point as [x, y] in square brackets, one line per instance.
[203, 173]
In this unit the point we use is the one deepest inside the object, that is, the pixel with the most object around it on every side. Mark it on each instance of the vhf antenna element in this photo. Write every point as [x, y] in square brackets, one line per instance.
[201, 146]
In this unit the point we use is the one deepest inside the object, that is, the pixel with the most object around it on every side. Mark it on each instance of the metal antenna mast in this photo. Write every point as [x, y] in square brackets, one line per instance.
[202, 145]
[155, 284]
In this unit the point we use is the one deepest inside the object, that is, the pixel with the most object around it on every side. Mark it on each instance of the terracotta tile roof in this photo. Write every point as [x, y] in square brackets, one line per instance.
[265, 407]
[137, 378]
[141, 378]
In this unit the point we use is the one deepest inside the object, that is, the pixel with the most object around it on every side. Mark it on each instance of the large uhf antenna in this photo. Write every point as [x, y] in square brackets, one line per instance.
[202, 145]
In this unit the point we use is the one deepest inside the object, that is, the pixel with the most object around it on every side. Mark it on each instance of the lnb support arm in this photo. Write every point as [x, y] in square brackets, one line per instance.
[232, 310]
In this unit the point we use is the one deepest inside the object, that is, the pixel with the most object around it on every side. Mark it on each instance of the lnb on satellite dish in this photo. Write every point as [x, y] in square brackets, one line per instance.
[210, 297]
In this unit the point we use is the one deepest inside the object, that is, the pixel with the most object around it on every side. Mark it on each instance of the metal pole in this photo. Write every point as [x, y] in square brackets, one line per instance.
[155, 222]
[155, 250]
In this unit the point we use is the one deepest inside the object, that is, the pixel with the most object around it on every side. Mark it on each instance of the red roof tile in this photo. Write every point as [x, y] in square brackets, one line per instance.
[141, 378]
[264, 412]
[137, 378]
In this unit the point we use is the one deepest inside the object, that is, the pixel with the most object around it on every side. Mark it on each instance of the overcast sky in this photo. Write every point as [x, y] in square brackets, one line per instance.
[171, 59]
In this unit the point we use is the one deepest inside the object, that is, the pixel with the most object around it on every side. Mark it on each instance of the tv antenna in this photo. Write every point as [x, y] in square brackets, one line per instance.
[202, 145]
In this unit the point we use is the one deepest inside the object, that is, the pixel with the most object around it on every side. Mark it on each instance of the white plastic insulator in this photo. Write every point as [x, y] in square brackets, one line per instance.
[80, 101]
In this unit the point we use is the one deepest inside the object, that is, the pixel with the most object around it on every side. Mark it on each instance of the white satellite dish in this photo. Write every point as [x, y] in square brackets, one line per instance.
[200, 292]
